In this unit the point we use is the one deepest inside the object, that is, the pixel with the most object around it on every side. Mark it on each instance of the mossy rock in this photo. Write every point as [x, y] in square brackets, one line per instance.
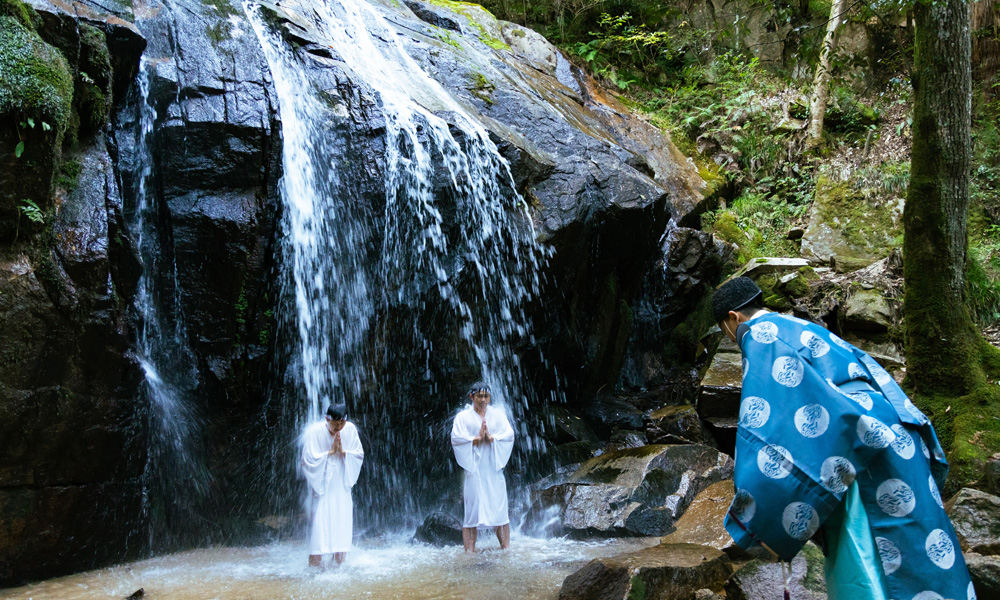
[35, 79]
[21, 12]
[93, 86]
[844, 222]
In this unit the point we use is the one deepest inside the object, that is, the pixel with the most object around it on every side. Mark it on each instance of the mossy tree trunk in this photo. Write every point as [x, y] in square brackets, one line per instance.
[821, 82]
[942, 343]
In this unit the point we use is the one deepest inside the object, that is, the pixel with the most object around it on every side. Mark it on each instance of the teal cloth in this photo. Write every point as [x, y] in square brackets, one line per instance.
[853, 568]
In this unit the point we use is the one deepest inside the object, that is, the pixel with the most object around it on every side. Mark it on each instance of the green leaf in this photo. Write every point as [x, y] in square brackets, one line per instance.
[19, 149]
[46, 126]
[31, 122]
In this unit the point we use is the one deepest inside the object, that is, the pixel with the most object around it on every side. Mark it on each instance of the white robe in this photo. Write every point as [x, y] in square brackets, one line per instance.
[331, 478]
[485, 489]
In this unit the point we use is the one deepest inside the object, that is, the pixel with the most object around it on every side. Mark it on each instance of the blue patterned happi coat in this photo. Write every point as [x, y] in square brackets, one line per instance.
[818, 414]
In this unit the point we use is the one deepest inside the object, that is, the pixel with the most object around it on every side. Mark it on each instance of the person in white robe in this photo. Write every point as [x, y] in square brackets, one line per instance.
[482, 439]
[331, 462]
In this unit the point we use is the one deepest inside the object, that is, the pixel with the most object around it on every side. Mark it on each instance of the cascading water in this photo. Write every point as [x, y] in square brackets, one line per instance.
[176, 476]
[447, 246]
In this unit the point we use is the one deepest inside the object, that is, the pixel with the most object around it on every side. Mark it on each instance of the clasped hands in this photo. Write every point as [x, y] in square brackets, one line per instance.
[483, 437]
[338, 447]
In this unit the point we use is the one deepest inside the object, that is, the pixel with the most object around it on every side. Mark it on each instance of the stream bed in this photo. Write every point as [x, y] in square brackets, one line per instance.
[389, 568]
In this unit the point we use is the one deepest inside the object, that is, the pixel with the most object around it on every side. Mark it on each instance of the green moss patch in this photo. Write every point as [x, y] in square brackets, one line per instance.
[866, 223]
[35, 79]
[21, 12]
[968, 427]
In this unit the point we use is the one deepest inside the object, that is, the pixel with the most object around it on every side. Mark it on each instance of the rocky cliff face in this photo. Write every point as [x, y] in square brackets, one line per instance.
[603, 188]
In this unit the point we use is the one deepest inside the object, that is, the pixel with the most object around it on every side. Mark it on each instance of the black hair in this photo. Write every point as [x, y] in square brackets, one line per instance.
[337, 412]
[739, 294]
[479, 386]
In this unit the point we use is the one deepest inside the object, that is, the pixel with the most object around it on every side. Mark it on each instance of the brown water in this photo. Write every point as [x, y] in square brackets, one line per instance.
[533, 569]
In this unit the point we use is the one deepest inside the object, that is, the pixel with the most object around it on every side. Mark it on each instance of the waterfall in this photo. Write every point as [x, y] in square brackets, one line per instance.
[447, 241]
[176, 476]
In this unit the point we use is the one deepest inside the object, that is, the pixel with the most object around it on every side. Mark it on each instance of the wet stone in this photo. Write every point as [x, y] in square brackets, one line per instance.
[976, 517]
[985, 572]
[702, 522]
[440, 529]
[676, 425]
[638, 491]
[762, 580]
[719, 396]
[674, 571]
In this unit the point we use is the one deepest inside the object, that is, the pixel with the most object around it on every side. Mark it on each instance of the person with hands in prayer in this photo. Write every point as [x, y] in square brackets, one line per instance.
[483, 439]
[331, 462]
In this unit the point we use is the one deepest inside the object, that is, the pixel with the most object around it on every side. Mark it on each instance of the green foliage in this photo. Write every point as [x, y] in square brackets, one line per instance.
[757, 224]
[35, 79]
[21, 12]
[982, 275]
[445, 36]
[30, 210]
[624, 52]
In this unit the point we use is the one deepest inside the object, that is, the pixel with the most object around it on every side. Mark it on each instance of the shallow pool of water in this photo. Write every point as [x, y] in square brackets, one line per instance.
[533, 569]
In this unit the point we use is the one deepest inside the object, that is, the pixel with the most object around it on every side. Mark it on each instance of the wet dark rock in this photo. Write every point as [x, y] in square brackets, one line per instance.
[762, 580]
[702, 522]
[607, 413]
[671, 306]
[636, 491]
[440, 529]
[985, 572]
[625, 440]
[568, 426]
[139, 593]
[976, 517]
[676, 425]
[674, 571]
[719, 396]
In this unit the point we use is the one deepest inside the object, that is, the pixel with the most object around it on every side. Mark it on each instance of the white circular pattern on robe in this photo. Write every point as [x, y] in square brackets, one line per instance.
[972, 592]
[837, 474]
[839, 342]
[928, 595]
[934, 491]
[862, 398]
[940, 549]
[754, 412]
[774, 461]
[800, 520]
[895, 498]
[812, 420]
[891, 557]
[923, 448]
[788, 371]
[882, 376]
[856, 371]
[744, 506]
[765, 333]
[817, 347]
[903, 445]
[874, 433]
[914, 411]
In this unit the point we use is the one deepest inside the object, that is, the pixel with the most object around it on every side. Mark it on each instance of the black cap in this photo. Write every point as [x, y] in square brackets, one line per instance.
[737, 293]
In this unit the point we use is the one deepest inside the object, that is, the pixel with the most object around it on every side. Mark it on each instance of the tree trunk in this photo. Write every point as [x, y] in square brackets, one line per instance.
[942, 342]
[821, 83]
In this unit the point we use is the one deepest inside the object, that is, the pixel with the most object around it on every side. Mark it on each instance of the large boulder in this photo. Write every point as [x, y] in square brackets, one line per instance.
[985, 572]
[635, 491]
[664, 572]
[844, 222]
[763, 580]
[976, 517]
[702, 522]
[678, 424]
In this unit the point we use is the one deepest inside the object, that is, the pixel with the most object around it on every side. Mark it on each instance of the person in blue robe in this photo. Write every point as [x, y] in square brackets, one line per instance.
[828, 440]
